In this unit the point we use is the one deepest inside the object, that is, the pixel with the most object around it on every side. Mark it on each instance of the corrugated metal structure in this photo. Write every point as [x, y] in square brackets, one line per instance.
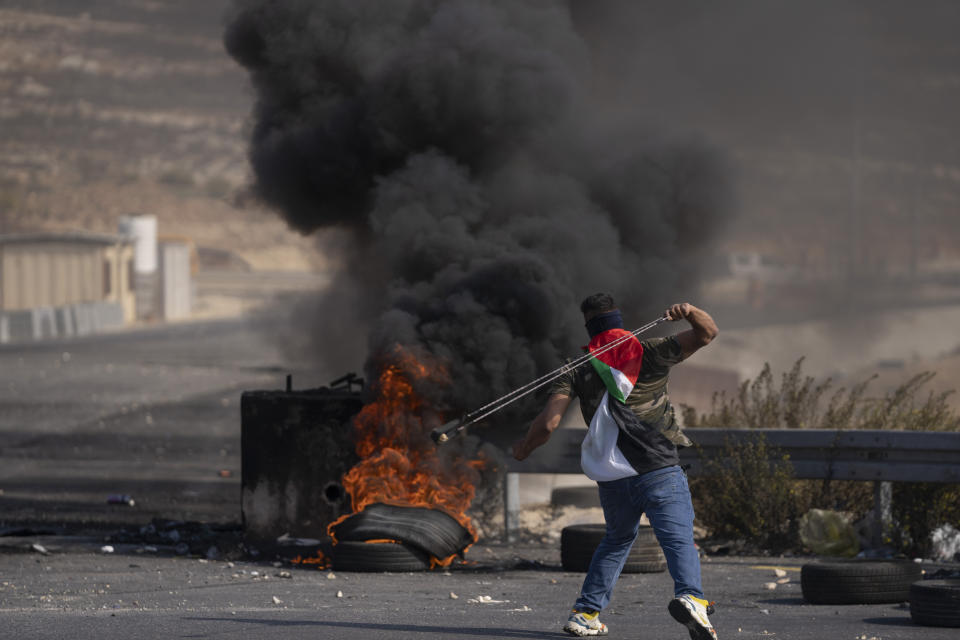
[62, 284]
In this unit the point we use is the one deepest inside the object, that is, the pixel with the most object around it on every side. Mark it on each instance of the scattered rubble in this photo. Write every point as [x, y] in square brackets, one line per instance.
[210, 541]
[485, 600]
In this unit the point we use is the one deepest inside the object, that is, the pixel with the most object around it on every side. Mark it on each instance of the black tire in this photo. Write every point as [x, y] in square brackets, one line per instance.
[579, 541]
[858, 582]
[935, 603]
[576, 496]
[378, 557]
[432, 531]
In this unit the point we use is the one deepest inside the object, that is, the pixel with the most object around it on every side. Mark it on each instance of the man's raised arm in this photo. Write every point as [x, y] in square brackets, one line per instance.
[703, 328]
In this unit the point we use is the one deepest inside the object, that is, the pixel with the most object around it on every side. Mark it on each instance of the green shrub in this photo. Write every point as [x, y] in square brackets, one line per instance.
[918, 509]
[749, 493]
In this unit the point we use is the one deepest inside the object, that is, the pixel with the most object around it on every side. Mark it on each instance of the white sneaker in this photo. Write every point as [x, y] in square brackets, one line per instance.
[692, 612]
[585, 624]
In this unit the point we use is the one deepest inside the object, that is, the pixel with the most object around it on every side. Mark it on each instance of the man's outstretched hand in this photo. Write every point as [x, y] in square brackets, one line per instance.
[679, 311]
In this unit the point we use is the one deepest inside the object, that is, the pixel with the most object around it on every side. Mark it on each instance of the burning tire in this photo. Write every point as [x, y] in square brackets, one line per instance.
[429, 530]
[579, 541]
[858, 582]
[935, 603]
[378, 557]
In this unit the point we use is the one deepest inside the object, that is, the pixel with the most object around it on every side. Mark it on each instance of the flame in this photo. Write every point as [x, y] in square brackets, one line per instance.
[321, 560]
[399, 462]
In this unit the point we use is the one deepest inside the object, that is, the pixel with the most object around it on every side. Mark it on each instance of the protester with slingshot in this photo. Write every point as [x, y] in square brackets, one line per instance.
[630, 450]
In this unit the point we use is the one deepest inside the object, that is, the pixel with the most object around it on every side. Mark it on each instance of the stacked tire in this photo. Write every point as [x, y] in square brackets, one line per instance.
[579, 541]
[858, 582]
[936, 603]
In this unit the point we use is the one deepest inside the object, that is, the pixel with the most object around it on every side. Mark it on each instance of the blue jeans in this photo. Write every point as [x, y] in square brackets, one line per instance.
[665, 497]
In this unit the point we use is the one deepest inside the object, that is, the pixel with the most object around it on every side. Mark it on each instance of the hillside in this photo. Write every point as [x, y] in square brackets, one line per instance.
[130, 107]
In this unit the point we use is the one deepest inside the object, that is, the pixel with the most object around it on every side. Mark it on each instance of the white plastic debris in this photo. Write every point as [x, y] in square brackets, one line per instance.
[453, 596]
[486, 600]
[765, 612]
[277, 600]
[339, 594]
[39, 548]
[331, 576]
[770, 586]
[783, 581]
[106, 549]
[523, 608]
[946, 543]
[780, 573]
[285, 574]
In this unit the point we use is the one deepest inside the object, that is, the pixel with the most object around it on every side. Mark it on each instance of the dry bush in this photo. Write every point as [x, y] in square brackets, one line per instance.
[750, 493]
[801, 402]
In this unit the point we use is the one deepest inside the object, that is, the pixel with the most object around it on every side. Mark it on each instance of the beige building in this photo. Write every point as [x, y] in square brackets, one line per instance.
[76, 275]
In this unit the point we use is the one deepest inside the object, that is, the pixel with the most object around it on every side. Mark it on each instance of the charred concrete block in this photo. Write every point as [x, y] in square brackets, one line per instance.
[295, 448]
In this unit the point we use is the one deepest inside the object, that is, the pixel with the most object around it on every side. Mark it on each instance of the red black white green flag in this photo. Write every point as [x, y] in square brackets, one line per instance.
[619, 366]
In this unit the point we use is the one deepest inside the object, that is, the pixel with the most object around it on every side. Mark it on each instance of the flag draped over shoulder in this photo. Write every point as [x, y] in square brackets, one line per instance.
[618, 367]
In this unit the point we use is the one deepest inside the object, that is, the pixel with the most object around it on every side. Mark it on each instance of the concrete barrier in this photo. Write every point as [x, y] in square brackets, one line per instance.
[83, 319]
[65, 325]
[44, 323]
[19, 326]
[59, 322]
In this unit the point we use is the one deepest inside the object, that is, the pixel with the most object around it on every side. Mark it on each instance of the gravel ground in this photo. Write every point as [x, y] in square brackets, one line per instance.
[503, 591]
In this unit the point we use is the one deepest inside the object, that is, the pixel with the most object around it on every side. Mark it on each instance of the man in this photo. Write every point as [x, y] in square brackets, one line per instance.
[631, 451]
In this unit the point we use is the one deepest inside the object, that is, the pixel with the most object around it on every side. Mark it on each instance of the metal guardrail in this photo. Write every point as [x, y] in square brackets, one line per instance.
[876, 456]
[869, 455]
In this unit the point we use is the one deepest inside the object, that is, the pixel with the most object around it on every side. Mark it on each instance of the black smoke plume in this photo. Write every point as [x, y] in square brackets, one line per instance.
[480, 191]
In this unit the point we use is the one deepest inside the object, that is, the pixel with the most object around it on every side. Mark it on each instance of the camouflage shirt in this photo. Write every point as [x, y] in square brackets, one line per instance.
[649, 399]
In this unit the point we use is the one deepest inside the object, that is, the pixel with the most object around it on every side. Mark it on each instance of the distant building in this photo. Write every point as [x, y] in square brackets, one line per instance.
[64, 284]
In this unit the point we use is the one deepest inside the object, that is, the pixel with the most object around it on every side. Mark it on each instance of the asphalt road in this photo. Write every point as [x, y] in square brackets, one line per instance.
[155, 414]
[151, 413]
[76, 591]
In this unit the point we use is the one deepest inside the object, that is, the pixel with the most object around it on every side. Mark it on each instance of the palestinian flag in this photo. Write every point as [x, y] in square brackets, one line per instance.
[618, 367]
